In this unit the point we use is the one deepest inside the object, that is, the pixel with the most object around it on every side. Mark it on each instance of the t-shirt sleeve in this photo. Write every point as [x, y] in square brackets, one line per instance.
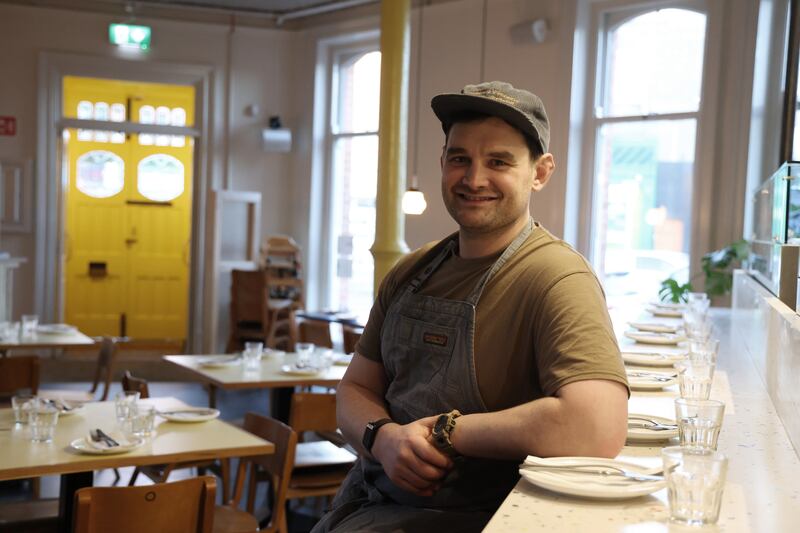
[575, 340]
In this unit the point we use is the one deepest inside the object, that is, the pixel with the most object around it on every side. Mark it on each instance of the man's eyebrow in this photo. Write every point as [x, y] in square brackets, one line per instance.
[455, 150]
[503, 154]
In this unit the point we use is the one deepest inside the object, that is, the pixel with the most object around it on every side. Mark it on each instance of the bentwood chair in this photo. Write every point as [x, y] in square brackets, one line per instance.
[276, 468]
[181, 507]
[104, 372]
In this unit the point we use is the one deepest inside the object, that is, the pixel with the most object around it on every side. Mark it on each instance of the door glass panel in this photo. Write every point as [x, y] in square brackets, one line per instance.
[147, 115]
[654, 64]
[178, 115]
[101, 112]
[100, 174]
[643, 204]
[160, 178]
[85, 111]
[162, 119]
[356, 167]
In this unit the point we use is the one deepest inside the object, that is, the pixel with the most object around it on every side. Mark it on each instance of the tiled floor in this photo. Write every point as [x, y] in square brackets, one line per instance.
[232, 404]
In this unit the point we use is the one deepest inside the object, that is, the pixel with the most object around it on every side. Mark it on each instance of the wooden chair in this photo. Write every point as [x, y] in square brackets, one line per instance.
[130, 383]
[350, 336]
[319, 467]
[18, 372]
[159, 473]
[317, 332]
[275, 468]
[104, 371]
[281, 259]
[181, 507]
[255, 316]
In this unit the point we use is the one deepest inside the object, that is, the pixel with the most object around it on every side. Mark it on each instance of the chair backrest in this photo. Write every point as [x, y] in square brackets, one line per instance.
[248, 297]
[181, 507]
[317, 332]
[313, 411]
[19, 372]
[350, 336]
[279, 464]
[135, 384]
[104, 371]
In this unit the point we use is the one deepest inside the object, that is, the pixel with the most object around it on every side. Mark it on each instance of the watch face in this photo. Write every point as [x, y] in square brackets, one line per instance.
[441, 423]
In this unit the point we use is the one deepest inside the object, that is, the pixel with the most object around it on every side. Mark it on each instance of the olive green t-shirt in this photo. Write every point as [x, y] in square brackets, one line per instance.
[541, 321]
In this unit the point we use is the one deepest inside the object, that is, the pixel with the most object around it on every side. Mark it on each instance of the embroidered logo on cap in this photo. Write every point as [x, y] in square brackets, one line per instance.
[435, 338]
[499, 96]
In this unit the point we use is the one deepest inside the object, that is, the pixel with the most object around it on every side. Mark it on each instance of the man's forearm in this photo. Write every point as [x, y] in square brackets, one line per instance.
[355, 406]
[593, 423]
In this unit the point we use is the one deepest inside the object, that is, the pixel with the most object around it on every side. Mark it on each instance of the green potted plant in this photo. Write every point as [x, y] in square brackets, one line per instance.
[717, 266]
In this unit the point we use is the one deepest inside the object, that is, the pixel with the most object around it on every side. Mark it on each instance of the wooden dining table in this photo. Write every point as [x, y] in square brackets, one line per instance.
[272, 374]
[171, 442]
[44, 340]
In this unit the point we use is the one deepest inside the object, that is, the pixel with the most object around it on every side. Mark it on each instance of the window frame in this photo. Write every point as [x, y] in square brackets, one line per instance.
[618, 12]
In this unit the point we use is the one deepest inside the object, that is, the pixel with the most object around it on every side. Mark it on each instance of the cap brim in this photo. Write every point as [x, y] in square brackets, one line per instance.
[446, 106]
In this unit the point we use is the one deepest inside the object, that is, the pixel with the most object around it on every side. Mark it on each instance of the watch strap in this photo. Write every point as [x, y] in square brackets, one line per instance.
[442, 432]
[371, 431]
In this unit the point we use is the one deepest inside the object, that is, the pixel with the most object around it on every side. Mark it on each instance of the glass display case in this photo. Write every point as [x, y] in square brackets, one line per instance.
[776, 223]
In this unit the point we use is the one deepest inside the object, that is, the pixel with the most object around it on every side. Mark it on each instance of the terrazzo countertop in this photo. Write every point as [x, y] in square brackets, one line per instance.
[762, 491]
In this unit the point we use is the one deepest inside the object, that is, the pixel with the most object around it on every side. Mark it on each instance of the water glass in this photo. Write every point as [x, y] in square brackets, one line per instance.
[699, 422]
[23, 404]
[323, 358]
[704, 350]
[141, 421]
[43, 420]
[694, 378]
[695, 482]
[304, 350]
[252, 355]
[29, 325]
[125, 405]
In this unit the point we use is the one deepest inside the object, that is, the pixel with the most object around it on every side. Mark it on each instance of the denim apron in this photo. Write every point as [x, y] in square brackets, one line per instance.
[427, 344]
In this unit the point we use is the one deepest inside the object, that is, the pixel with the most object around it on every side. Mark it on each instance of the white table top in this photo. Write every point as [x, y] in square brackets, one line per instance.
[762, 492]
[268, 375]
[172, 442]
[46, 340]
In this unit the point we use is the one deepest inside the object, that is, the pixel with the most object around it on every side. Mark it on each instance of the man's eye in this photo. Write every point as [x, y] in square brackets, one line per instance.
[458, 159]
[498, 163]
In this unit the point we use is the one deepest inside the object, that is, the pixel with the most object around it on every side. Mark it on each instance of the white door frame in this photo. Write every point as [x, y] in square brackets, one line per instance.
[50, 222]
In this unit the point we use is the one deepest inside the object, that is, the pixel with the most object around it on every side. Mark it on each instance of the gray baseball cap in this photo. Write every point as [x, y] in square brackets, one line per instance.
[520, 108]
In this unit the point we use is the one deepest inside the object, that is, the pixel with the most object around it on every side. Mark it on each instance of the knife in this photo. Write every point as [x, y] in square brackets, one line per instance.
[103, 435]
[610, 472]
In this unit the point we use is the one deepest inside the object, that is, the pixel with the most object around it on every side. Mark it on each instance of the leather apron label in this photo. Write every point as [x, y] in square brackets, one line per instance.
[434, 338]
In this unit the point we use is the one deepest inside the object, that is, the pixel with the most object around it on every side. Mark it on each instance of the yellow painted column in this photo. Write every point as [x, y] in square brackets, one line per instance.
[390, 244]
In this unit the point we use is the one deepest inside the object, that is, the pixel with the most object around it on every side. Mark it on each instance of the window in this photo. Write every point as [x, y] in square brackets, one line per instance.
[351, 157]
[160, 178]
[646, 110]
[100, 174]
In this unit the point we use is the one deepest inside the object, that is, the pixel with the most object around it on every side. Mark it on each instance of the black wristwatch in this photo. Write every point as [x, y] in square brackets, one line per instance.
[371, 431]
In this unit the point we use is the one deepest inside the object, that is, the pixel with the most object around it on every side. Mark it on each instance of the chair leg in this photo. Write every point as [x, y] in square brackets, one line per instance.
[225, 467]
[135, 474]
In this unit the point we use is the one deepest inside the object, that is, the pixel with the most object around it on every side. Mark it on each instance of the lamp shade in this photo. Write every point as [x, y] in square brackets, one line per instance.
[414, 202]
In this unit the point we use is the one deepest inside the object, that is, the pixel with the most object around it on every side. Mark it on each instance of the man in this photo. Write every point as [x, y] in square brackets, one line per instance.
[486, 347]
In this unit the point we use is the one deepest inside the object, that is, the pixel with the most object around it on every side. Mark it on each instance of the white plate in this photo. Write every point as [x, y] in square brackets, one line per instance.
[652, 359]
[75, 410]
[648, 435]
[654, 338]
[190, 414]
[665, 311]
[80, 445]
[56, 329]
[647, 380]
[589, 485]
[294, 371]
[653, 327]
[218, 361]
[668, 305]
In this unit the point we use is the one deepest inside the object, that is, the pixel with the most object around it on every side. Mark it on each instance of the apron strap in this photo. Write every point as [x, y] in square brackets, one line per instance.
[509, 251]
[426, 272]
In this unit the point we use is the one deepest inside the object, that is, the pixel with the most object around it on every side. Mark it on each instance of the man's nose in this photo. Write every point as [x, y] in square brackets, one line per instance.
[475, 176]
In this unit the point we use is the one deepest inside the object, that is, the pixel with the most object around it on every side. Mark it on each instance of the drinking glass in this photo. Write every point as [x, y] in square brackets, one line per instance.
[694, 378]
[303, 351]
[699, 422]
[704, 350]
[43, 420]
[323, 358]
[695, 482]
[252, 355]
[141, 421]
[29, 325]
[125, 404]
[23, 404]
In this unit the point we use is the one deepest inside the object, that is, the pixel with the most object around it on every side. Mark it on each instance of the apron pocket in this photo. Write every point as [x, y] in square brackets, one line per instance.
[416, 351]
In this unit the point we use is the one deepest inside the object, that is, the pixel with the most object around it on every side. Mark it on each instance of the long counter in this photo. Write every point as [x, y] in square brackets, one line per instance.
[762, 492]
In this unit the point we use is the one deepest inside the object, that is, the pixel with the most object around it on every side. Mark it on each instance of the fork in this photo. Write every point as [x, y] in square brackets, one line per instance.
[597, 469]
[98, 435]
[650, 375]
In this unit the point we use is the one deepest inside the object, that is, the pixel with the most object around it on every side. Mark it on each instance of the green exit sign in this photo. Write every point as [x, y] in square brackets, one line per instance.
[129, 36]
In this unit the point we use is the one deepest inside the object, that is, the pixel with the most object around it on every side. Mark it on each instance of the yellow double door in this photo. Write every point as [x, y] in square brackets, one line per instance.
[128, 210]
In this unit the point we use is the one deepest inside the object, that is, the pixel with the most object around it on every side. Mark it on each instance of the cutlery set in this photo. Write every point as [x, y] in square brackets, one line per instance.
[98, 435]
[613, 474]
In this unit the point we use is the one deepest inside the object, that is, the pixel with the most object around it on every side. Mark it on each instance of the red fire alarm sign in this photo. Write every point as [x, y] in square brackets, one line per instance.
[8, 126]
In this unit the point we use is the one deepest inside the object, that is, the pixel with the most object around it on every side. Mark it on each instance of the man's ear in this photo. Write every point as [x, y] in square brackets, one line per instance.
[544, 167]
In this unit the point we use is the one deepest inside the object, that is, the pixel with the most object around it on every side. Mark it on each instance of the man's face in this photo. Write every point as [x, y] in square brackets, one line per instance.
[487, 175]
